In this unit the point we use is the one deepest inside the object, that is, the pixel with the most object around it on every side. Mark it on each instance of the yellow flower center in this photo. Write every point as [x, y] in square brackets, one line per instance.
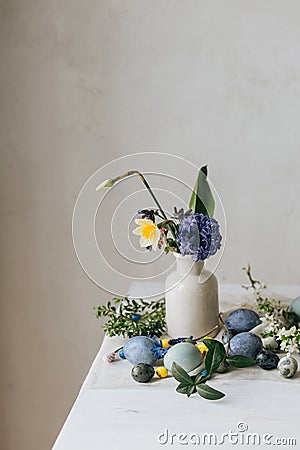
[147, 230]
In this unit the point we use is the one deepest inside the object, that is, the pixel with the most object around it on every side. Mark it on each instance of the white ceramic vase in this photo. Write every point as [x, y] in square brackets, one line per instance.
[192, 301]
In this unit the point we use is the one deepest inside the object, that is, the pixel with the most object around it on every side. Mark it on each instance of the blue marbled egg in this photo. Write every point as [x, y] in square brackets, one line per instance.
[185, 354]
[246, 344]
[242, 320]
[295, 307]
[138, 349]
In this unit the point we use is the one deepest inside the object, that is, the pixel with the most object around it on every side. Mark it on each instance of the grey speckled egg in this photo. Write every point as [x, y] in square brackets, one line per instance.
[287, 367]
[246, 344]
[267, 360]
[242, 319]
[142, 373]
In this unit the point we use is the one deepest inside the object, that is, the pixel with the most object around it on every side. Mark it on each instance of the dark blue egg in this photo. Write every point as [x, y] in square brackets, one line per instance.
[266, 359]
[242, 320]
[246, 344]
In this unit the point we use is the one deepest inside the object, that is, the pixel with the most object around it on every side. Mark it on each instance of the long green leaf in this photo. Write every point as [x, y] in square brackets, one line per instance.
[208, 392]
[202, 200]
[181, 375]
[214, 357]
[240, 361]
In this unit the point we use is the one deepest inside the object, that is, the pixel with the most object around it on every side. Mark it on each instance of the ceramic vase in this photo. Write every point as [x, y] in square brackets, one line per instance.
[192, 303]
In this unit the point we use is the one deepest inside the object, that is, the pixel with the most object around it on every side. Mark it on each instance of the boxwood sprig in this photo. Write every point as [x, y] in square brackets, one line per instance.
[129, 317]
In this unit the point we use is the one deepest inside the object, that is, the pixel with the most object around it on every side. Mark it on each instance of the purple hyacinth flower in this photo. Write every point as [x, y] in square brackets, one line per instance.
[199, 236]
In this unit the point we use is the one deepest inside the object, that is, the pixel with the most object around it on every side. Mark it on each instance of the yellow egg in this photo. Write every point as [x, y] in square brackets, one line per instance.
[162, 372]
[202, 347]
[165, 343]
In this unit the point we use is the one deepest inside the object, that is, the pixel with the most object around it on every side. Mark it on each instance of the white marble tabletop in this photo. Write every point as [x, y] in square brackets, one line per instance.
[112, 411]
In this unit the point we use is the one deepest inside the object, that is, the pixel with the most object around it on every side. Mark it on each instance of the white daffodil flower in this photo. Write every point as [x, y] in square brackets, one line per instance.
[148, 231]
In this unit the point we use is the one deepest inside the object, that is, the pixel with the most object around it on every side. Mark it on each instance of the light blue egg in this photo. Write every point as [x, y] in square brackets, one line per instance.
[138, 349]
[185, 355]
[295, 307]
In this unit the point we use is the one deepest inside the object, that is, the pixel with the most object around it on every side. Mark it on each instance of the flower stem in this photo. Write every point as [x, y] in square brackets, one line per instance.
[207, 334]
[136, 172]
[227, 332]
[118, 349]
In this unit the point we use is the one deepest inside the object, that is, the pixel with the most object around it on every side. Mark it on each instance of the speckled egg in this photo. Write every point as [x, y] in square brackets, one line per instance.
[184, 354]
[138, 349]
[242, 320]
[287, 366]
[246, 344]
[142, 373]
[267, 360]
[295, 307]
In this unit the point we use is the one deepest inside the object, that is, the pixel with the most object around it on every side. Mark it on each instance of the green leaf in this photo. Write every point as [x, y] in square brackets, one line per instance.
[202, 200]
[191, 390]
[208, 392]
[181, 375]
[214, 357]
[240, 361]
[186, 389]
[182, 388]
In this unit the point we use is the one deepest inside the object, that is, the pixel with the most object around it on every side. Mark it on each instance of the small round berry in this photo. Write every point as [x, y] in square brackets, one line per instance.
[121, 354]
[162, 372]
[201, 346]
[165, 343]
[135, 317]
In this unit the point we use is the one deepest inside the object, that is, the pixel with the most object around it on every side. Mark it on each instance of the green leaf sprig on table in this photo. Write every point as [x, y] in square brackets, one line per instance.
[122, 317]
[215, 357]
